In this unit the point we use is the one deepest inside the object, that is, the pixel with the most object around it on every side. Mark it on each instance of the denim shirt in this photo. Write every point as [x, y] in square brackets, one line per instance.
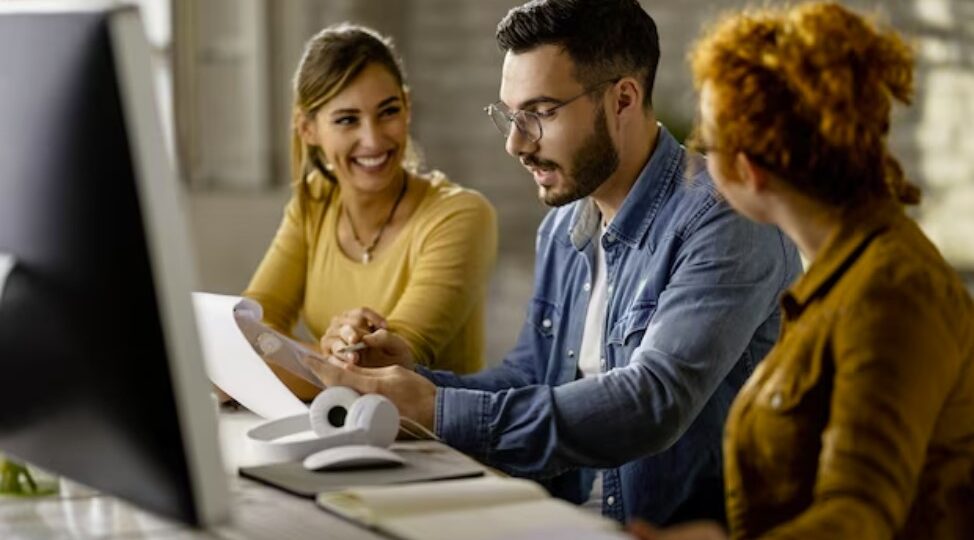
[692, 307]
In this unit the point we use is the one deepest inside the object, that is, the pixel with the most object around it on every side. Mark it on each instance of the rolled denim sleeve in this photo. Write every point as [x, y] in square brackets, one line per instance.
[726, 277]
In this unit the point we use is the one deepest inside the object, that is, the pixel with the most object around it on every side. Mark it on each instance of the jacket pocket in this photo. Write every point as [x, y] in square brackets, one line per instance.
[785, 424]
[791, 383]
[544, 316]
[629, 329]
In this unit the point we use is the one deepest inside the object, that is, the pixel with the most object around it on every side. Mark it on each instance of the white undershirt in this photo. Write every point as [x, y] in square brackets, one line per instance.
[590, 355]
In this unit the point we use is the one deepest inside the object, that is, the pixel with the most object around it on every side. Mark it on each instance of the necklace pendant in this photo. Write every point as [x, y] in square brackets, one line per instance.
[366, 257]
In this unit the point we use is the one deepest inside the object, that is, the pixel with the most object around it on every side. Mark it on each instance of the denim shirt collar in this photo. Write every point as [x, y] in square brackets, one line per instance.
[641, 204]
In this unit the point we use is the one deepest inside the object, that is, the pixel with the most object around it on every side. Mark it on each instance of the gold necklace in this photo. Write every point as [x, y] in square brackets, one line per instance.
[367, 250]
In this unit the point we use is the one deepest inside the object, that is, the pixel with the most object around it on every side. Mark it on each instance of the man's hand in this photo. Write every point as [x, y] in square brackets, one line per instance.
[382, 348]
[410, 392]
[694, 530]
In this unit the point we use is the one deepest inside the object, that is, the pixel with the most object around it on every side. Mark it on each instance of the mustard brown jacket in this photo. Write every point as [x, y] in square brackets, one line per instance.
[860, 421]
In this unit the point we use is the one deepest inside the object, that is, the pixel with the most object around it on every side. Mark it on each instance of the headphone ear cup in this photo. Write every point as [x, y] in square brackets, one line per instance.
[376, 417]
[330, 411]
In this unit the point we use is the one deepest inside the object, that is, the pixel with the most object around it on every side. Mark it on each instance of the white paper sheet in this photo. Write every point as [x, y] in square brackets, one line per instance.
[234, 366]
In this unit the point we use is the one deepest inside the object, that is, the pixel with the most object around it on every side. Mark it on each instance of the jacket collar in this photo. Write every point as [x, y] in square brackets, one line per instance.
[640, 206]
[857, 228]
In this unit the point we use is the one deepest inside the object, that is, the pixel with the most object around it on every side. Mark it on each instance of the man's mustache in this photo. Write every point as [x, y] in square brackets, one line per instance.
[538, 163]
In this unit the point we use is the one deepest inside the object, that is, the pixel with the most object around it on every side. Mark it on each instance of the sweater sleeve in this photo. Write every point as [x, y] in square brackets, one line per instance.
[456, 256]
[278, 284]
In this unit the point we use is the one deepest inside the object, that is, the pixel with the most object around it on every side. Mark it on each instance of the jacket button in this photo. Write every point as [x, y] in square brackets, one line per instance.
[546, 323]
[610, 500]
[776, 400]
[571, 353]
[587, 287]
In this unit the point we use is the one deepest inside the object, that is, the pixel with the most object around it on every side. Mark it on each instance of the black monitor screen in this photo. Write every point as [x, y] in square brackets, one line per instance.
[86, 378]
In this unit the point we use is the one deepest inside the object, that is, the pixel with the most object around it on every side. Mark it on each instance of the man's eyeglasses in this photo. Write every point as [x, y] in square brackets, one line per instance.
[529, 122]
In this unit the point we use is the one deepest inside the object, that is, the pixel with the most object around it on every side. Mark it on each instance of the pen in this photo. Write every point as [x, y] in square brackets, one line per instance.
[353, 348]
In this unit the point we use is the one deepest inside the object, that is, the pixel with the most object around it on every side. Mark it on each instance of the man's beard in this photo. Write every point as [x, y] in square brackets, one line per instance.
[592, 165]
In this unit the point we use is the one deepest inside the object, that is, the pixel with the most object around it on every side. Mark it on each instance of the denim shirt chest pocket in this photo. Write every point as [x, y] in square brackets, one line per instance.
[627, 333]
[545, 318]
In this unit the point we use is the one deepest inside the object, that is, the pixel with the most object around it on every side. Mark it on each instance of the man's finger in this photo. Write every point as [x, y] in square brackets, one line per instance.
[363, 380]
[330, 373]
[374, 318]
[380, 339]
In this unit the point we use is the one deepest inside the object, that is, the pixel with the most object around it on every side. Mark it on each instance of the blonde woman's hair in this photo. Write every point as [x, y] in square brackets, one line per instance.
[332, 59]
[807, 91]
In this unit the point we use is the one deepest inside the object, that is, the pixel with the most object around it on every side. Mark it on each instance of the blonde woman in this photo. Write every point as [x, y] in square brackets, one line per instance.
[367, 241]
[860, 421]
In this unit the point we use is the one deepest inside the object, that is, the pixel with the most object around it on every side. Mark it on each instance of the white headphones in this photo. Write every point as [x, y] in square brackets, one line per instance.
[338, 416]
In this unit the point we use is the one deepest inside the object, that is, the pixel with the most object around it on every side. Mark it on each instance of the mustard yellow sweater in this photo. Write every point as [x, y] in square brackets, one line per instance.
[430, 283]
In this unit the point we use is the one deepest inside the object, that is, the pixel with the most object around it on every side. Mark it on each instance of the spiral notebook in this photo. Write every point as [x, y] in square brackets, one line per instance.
[486, 508]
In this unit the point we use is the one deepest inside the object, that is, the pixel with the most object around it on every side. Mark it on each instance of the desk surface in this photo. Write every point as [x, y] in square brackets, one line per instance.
[259, 512]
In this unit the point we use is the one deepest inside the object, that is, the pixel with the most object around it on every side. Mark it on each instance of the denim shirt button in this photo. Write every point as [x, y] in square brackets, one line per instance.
[587, 287]
[571, 353]
[610, 500]
[546, 323]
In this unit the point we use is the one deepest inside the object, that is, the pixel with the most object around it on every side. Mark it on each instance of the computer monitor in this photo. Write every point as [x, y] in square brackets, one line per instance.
[101, 374]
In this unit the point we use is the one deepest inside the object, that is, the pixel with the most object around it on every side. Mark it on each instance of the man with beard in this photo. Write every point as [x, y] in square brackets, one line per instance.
[653, 301]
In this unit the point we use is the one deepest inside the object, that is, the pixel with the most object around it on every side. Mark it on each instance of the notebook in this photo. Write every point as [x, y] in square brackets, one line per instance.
[473, 509]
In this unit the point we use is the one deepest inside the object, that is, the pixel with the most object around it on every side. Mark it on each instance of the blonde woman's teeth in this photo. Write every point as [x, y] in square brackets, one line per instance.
[372, 161]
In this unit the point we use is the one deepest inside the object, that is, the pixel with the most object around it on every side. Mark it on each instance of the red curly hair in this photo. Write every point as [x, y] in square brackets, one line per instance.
[807, 92]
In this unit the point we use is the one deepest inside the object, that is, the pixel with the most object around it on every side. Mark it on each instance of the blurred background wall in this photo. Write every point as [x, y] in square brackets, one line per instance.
[225, 69]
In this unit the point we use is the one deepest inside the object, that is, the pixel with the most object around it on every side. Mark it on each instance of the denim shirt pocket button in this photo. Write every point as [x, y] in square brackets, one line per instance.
[544, 317]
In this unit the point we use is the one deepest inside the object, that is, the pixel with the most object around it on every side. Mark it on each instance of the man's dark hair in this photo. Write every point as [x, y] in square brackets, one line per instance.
[604, 38]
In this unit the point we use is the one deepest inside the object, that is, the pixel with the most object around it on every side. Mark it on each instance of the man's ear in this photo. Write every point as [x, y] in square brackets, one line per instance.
[752, 175]
[627, 96]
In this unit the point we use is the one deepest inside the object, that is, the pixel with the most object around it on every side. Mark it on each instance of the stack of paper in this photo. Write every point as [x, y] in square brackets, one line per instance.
[234, 366]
